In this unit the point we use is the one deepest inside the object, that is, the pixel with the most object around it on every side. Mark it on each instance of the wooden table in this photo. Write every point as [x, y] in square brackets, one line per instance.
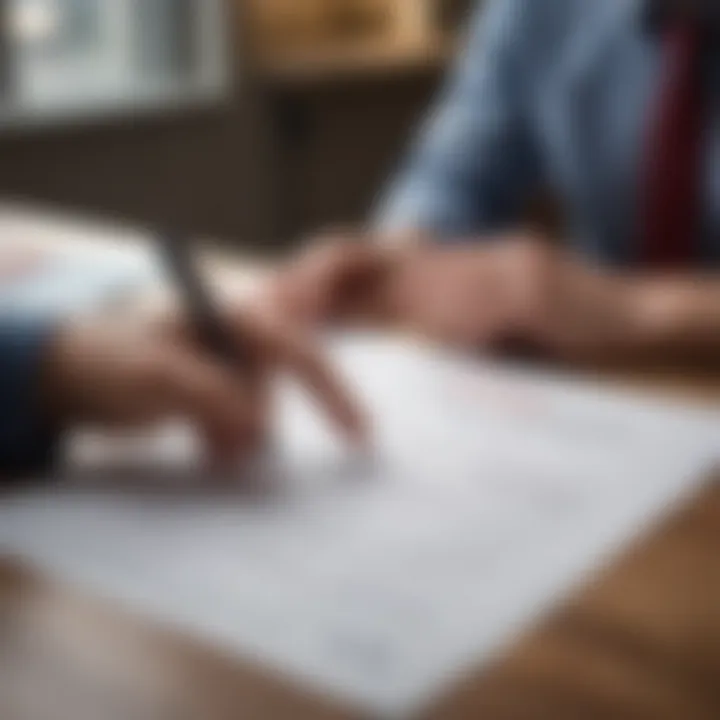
[641, 642]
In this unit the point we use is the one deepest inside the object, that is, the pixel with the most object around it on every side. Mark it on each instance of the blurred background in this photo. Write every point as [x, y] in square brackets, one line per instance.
[250, 121]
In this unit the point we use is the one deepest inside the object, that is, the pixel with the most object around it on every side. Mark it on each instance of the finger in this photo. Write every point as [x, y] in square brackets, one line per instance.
[296, 291]
[365, 290]
[224, 449]
[339, 280]
[320, 276]
[228, 444]
[297, 353]
[213, 397]
[287, 296]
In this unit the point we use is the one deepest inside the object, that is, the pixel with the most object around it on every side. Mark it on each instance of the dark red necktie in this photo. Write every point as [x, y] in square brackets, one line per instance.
[672, 180]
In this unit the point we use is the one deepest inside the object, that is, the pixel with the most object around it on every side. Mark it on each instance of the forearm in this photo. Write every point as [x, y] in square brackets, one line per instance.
[680, 316]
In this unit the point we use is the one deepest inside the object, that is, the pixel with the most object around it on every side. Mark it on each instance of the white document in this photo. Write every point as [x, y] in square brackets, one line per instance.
[69, 276]
[492, 493]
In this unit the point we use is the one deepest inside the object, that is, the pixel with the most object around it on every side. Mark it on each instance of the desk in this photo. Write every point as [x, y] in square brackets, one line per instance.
[643, 641]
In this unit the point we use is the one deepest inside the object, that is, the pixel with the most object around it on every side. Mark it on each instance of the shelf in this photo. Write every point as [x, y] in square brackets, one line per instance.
[333, 63]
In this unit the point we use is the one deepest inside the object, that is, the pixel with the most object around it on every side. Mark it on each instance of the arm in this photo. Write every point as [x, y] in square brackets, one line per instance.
[139, 370]
[524, 294]
[27, 441]
[473, 165]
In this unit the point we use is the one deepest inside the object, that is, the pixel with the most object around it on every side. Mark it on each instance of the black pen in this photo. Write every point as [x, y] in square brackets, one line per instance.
[207, 320]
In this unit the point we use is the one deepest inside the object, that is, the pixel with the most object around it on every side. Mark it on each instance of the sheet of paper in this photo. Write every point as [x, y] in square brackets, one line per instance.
[492, 492]
[68, 280]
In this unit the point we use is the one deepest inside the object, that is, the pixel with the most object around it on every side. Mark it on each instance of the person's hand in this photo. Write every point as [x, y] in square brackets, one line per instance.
[340, 277]
[510, 290]
[141, 370]
[516, 291]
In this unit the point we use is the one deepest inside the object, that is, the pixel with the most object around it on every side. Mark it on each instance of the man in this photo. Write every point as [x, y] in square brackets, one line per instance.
[141, 370]
[614, 105]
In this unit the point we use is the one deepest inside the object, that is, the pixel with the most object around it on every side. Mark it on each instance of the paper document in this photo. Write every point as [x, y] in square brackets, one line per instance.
[67, 281]
[492, 492]
[76, 265]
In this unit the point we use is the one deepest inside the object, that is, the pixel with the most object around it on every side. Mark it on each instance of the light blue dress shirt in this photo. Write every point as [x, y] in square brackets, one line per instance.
[549, 93]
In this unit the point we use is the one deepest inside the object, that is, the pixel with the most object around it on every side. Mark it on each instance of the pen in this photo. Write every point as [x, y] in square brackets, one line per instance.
[207, 320]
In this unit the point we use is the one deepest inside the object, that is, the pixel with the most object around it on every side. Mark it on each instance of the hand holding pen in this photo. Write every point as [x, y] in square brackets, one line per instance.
[210, 365]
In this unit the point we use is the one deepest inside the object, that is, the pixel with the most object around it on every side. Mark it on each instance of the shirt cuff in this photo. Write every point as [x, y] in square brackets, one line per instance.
[28, 441]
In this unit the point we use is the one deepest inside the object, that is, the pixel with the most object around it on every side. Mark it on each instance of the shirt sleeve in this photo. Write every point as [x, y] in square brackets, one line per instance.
[473, 165]
[27, 441]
